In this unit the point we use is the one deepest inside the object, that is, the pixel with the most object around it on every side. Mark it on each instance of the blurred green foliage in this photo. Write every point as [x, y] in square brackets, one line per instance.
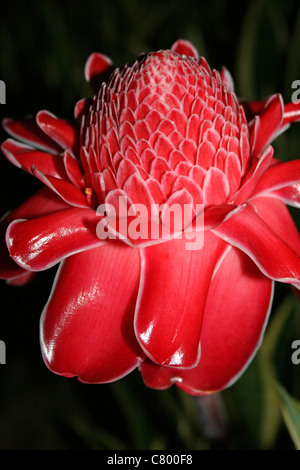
[43, 49]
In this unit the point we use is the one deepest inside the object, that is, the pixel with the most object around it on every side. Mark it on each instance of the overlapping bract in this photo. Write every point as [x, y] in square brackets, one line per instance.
[163, 130]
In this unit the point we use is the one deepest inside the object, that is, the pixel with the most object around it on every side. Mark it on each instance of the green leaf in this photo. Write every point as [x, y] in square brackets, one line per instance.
[290, 409]
[271, 415]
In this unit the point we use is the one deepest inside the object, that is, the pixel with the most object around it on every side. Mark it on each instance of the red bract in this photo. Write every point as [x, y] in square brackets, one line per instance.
[164, 131]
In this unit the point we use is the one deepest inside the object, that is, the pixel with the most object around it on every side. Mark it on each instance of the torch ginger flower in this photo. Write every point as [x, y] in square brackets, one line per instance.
[163, 130]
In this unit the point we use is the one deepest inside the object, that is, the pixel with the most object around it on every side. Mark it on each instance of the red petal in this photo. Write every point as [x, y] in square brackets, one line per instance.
[180, 203]
[277, 216]
[138, 191]
[215, 187]
[158, 377]
[278, 176]
[289, 194]
[250, 183]
[66, 190]
[214, 216]
[97, 69]
[63, 132]
[43, 202]
[87, 324]
[291, 113]
[236, 313]
[8, 268]
[247, 231]
[270, 120]
[184, 47]
[24, 157]
[252, 108]
[171, 300]
[227, 79]
[21, 279]
[73, 169]
[39, 243]
[82, 107]
[29, 132]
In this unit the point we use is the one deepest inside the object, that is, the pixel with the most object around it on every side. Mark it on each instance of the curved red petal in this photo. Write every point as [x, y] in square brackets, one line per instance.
[73, 169]
[247, 231]
[215, 187]
[277, 216]
[24, 157]
[236, 314]
[65, 189]
[269, 124]
[250, 183]
[289, 195]
[184, 47]
[27, 130]
[291, 113]
[61, 131]
[171, 300]
[97, 69]
[158, 377]
[42, 242]
[21, 279]
[8, 268]
[87, 324]
[82, 107]
[41, 203]
[278, 176]
[227, 78]
[214, 216]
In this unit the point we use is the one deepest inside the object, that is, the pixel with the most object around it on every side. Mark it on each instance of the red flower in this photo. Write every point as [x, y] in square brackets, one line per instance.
[164, 131]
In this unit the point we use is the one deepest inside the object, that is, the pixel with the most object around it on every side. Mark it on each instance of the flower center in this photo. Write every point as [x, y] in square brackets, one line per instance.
[166, 126]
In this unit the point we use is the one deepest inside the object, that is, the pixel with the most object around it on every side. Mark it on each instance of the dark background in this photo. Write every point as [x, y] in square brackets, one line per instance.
[43, 49]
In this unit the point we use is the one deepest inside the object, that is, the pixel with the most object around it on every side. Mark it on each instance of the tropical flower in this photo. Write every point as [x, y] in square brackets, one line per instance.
[161, 132]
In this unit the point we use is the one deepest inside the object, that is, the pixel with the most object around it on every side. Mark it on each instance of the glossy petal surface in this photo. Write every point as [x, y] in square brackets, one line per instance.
[27, 130]
[42, 203]
[277, 216]
[89, 333]
[247, 231]
[172, 296]
[26, 157]
[60, 131]
[269, 123]
[278, 176]
[38, 244]
[235, 317]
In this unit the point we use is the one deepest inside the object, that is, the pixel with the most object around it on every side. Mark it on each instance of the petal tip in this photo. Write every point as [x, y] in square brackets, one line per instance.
[185, 47]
